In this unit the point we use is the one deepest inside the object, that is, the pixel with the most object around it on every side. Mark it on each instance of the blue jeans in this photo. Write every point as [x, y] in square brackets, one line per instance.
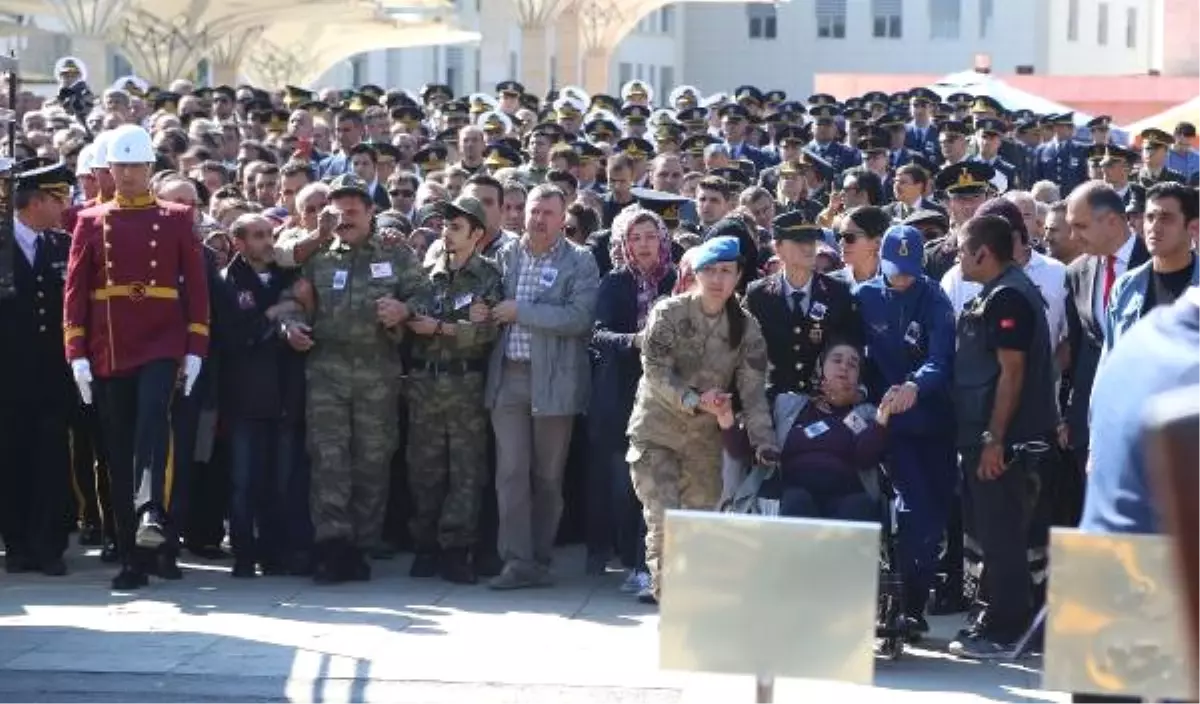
[268, 491]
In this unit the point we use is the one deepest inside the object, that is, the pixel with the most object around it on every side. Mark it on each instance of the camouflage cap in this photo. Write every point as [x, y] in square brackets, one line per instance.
[465, 206]
[347, 184]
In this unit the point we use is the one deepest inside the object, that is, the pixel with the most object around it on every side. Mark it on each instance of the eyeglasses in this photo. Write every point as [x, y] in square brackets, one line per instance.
[401, 193]
[849, 237]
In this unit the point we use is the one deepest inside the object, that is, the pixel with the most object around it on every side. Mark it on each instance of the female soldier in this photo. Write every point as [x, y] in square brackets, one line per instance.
[697, 348]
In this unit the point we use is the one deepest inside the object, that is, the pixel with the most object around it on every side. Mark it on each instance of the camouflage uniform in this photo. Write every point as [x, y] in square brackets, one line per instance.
[675, 455]
[447, 453]
[353, 375]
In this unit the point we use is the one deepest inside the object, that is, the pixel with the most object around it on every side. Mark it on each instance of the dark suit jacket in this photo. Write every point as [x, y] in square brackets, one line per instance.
[1086, 336]
[899, 210]
[380, 196]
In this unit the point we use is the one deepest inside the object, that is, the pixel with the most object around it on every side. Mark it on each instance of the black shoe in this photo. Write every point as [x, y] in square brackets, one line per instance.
[16, 563]
[108, 553]
[150, 534]
[207, 552]
[424, 565]
[646, 596]
[329, 563]
[356, 566]
[488, 564]
[949, 601]
[273, 568]
[916, 628]
[383, 551]
[243, 569]
[300, 564]
[166, 568]
[596, 565]
[456, 567]
[128, 579]
[53, 567]
[90, 535]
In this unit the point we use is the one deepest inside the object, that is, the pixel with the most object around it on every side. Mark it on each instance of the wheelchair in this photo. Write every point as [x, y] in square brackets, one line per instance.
[756, 495]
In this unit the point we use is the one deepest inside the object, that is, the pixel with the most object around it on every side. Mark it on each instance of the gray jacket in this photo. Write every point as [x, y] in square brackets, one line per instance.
[560, 321]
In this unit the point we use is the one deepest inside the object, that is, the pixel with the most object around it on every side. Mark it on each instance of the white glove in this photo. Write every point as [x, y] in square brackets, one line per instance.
[191, 370]
[81, 369]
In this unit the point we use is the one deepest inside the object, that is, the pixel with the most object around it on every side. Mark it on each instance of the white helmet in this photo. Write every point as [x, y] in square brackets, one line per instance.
[87, 157]
[130, 145]
[100, 150]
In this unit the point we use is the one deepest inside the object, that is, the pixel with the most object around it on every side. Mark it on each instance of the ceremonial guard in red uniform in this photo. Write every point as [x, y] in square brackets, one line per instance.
[135, 310]
[37, 398]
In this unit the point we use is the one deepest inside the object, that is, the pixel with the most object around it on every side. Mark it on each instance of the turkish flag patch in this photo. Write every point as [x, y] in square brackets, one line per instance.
[1008, 323]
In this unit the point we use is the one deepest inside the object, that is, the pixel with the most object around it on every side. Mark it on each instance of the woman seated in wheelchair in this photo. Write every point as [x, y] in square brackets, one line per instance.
[828, 441]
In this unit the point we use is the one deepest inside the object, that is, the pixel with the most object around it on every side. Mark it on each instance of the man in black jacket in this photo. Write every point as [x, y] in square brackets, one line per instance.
[262, 398]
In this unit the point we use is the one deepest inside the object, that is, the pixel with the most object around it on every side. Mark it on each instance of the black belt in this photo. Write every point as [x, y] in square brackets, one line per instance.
[456, 367]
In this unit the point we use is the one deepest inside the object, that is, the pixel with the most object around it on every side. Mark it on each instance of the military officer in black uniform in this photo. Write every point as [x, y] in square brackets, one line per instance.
[1155, 144]
[967, 185]
[990, 133]
[798, 309]
[37, 395]
[790, 143]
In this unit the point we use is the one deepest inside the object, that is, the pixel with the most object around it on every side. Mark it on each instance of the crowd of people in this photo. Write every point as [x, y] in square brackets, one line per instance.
[331, 325]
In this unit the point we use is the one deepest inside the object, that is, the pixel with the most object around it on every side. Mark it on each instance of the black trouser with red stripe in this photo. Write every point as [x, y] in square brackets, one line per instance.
[134, 416]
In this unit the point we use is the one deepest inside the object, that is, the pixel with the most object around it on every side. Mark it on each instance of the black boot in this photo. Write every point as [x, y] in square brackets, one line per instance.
[456, 566]
[129, 578]
[328, 563]
[90, 535]
[424, 564]
[108, 553]
[487, 563]
[357, 569]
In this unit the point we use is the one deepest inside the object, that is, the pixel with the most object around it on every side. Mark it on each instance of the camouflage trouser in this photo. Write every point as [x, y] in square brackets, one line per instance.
[447, 457]
[664, 479]
[352, 407]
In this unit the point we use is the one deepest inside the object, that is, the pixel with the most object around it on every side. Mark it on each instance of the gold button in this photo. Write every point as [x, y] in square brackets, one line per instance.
[41, 328]
[796, 329]
[796, 347]
[39, 279]
[41, 311]
[153, 263]
[41, 295]
[154, 243]
[154, 227]
[799, 366]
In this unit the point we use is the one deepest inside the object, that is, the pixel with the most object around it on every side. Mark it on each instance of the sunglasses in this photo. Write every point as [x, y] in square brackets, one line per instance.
[401, 193]
[848, 237]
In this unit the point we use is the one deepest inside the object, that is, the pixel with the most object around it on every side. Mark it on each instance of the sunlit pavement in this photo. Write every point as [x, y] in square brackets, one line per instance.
[212, 638]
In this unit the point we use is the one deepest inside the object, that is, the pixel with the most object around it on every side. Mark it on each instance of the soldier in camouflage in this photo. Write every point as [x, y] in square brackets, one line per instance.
[697, 348]
[353, 295]
[447, 456]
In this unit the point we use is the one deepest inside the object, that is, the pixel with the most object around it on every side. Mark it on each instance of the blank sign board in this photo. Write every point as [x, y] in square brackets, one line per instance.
[769, 596]
[1115, 623]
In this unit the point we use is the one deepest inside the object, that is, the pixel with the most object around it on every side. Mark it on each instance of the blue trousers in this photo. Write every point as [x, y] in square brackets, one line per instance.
[923, 471]
[267, 477]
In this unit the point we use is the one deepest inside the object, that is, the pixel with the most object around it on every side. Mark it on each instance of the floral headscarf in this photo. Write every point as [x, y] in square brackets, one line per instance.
[647, 282]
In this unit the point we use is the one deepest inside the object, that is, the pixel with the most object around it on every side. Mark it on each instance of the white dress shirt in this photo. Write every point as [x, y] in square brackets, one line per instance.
[806, 289]
[1121, 266]
[27, 239]
[1049, 275]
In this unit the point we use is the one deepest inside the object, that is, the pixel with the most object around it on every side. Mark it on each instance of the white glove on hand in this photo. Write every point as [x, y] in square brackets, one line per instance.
[191, 370]
[81, 369]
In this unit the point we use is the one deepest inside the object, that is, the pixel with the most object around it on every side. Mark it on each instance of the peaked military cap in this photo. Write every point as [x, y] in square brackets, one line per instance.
[966, 178]
[792, 226]
[635, 147]
[501, 156]
[431, 157]
[1102, 122]
[986, 103]
[667, 205]
[923, 95]
[52, 178]
[635, 114]
[1154, 137]
[509, 88]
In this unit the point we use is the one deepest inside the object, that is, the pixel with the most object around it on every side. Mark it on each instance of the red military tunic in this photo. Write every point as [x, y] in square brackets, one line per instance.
[136, 288]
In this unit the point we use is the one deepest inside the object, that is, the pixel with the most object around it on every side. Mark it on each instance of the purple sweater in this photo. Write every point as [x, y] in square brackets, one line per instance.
[828, 462]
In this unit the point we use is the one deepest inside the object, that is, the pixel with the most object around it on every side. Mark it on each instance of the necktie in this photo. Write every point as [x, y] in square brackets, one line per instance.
[798, 302]
[38, 251]
[1110, 277]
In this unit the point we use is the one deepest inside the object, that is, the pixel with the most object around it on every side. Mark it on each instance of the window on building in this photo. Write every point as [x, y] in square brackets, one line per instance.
[478, 69]
[1131, 28]
[1102, 24]
[831, 19]
[624, 72]
[454, 68]
[668, 19]
[1072, 20]
[762, 20]
[886, 15]
[639, 72]
[358, 70]
[513, 64]
[666, 80]
[945, 19]
[985, 18]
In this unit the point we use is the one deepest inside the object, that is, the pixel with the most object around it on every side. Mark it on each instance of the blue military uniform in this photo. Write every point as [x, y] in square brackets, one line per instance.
[1062, 161]
[839, 156]
[910, 339]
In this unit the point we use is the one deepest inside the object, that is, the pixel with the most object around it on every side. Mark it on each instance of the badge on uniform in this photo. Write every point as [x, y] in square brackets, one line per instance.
[814, 334]
[381, 270]
[913, 334]
[462, 301]
[340, 277]
[245, 300]
[816, 429]
[855, 423]
[817, 311]
[549, 276]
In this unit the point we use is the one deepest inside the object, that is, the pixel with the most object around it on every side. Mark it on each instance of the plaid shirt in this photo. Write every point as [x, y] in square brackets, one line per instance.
[529, 282]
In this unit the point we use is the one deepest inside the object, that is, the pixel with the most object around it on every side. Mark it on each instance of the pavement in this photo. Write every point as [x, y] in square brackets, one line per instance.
[211, 638]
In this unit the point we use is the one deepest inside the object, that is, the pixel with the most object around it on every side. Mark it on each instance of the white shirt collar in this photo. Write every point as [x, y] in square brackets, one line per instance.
[788, 289]
[26, 238]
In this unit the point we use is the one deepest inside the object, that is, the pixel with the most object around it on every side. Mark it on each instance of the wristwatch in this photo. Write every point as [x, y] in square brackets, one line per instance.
[988, 439]
[690, 400]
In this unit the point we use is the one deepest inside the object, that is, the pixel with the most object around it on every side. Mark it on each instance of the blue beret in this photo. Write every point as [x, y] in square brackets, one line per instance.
[902, 251]
[716, 250]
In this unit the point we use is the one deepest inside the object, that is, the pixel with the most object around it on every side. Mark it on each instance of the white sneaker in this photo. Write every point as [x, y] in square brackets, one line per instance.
[635, 582]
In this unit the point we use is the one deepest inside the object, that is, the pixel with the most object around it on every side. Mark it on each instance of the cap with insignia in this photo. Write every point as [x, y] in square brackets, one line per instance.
[960, 100]
[456, 109]
[954, 127]
[349, 184]
[494, 123]
[695, 144]
[1137, 200]
[1154, 137]
[818, 163]
[373, 91]
[70, 64]
[436, 91]
[794, 136]
[601, 129]
[137, 87]
[734, 111]
[1102, 122]
[774, 96]
[553, 130]
[510, 89]
[277, 123]
[1113, 153]
[481, 103]
[635, 147]
[53, 179]
[900, 97]
[1025, 125]
[294, 96]
[902, 251]
[748, 94]
[568, 107]
[694, 118]
[890, 121]
[501, 156]
[166, 101]
[668, 132]
[923, 95]
[857, 116]
[942, 111]
[990, 125]
[431, 157]
[359, 102]
[604, 101]
[635, 114]
[876, 97]
[684, 97]
[821, 99]
[876, 140]
[966, 178]
[637, 90]
[667, 205]
[588, 152]
[407, 115]
[792, 226]
[447, 136]
[985, 104]
[1066, 119]
[824, 112]
[735, 176]
[791, 168]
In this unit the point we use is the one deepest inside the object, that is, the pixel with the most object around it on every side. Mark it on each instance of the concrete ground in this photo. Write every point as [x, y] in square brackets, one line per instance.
[395, 639]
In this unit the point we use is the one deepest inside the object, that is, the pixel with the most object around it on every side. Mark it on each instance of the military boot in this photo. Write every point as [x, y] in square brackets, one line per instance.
[328, 563]
[424, 564]
[455, 566]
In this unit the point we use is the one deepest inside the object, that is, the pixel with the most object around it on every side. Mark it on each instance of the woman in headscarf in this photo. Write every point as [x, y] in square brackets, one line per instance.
[622, 305]
[698, 348]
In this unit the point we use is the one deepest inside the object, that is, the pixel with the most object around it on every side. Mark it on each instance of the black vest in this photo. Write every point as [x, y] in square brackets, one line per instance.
[977, 369]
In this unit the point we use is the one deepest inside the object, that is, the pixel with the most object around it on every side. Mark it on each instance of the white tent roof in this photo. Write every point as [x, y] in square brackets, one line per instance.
[1011, 98]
